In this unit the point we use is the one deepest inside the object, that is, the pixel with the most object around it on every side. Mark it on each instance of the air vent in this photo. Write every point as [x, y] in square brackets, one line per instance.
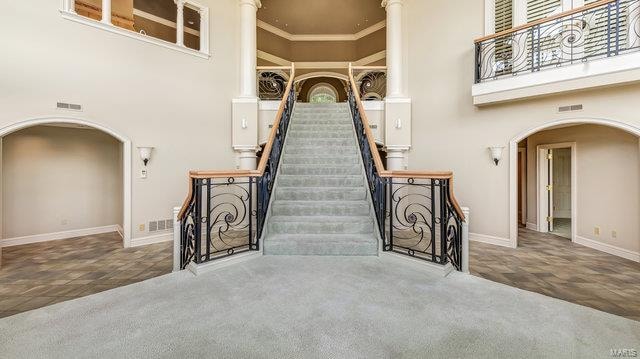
[69, 106]
[570, 108]
[160, 225]
[153, 226]
[373, 127]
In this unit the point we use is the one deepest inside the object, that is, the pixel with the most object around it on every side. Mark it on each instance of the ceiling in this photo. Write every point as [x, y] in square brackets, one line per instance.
[304, 17]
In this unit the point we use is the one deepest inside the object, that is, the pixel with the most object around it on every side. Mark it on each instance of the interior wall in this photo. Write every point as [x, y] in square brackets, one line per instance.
[57, 179]
[608, 184]
[152, 95]
[450, 133]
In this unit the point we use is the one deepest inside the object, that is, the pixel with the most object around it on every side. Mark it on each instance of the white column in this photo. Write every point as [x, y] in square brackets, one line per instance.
[204, 30]
[71, 6]
[176, 239]
[395, 86]
[246, 157]
[106, 11]
[465, 240]
[396, 157]
[248, 44]
[180, 23]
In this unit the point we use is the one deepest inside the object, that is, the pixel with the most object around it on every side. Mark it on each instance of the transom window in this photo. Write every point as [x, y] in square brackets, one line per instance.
[323, 93]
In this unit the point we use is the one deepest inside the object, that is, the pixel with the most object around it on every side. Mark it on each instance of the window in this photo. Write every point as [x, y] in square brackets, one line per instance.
[323, 93]
[503, 48]
[178, 24]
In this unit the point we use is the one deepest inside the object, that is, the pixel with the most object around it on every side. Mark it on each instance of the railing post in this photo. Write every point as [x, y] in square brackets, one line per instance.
[176, 240]
[465, 240]
[197, 219]
[478, 62]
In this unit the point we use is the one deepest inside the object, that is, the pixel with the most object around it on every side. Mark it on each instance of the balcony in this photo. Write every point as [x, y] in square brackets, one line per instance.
[588, 47]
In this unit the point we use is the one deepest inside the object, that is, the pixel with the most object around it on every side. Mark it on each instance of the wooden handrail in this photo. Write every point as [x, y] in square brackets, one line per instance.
[382, 172]
[263, 160]
[544, 20]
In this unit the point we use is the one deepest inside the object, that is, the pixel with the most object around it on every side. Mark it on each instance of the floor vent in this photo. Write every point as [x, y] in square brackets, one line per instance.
[160, 225]
[69, 106]
[570, 108]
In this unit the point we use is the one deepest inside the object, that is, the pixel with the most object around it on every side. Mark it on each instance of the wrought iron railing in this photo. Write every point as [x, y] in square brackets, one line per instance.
[225, 211]
[601, 29]
[416, 212]
[272, 83]
[371, 82]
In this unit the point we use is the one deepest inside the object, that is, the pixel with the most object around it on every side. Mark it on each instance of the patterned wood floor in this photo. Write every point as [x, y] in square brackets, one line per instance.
[36, 275]
[556, 267]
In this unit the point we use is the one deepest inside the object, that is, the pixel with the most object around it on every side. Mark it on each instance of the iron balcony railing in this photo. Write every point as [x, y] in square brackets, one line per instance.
[598, 30]
[225, 211]
[416, 212]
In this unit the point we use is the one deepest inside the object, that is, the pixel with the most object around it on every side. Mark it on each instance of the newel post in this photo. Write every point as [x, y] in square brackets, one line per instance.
[465, 240]
[176, 239]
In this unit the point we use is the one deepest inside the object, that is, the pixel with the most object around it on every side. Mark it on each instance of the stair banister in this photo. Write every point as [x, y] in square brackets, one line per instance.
[225, 202]
[436, 223]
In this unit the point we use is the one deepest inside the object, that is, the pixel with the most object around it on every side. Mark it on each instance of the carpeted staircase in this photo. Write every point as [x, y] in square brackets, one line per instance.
[321, 205]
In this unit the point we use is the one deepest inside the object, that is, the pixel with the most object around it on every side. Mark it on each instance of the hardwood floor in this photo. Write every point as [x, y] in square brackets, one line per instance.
[556, 267]
[40, 274]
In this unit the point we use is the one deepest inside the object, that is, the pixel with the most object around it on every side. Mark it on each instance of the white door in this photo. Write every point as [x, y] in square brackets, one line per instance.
[562, 183]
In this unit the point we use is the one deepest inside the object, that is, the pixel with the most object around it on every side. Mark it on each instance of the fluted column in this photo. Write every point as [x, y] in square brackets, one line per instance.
[180, 23]
[248, 45]
[106, 11]
[395, 86]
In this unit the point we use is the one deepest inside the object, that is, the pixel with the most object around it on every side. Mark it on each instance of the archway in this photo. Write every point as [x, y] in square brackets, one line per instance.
[322, 93]
[513, 160]
[126, 159]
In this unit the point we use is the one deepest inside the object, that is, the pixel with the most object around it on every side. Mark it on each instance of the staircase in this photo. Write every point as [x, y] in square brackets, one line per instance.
[321, 204]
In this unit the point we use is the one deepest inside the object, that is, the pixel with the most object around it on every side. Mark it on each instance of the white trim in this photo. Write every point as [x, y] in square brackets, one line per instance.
[532, 226]
[311, 75]
[165, 22]
[540, 186]
[272, 58]
[484, 238]
[322, 37]
[74, 233]
[156, 238]
[443, 270]
[321, 64]
[120, 230]
[607, 248]
[126, 161]
[513, 158]
[523, 183]
[131, 34]
[371, 58]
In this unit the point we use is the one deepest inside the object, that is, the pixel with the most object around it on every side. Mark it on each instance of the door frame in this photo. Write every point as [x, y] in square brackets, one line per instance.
[522, 173]
[541, 193]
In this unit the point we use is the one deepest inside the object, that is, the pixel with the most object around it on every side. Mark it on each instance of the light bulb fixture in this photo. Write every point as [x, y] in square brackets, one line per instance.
[145, 154]
[496, 153]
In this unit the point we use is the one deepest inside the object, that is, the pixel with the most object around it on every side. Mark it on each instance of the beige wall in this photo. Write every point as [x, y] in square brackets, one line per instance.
[154, 96]
[608, 183]
[450, 133]
[56, 179]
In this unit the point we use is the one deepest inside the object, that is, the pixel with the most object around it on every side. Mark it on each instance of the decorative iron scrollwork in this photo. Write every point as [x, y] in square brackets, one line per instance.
[272, 85]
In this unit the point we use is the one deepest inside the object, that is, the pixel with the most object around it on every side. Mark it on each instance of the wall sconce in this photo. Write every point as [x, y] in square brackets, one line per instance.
[496, 153]
[145, 154]
[244, 124]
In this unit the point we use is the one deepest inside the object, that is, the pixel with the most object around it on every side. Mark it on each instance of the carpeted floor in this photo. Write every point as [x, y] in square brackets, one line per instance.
[317, 307]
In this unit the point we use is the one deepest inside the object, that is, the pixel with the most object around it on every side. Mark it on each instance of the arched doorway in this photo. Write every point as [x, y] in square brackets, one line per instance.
[125, 144]
[322, 93]
[322, 89]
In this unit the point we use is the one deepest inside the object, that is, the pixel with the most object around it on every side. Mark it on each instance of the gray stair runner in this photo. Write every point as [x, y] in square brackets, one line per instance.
[321, 205]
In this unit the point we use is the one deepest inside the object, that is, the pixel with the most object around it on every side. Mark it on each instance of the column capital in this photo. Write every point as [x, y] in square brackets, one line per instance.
[255, 3]
[387, 3]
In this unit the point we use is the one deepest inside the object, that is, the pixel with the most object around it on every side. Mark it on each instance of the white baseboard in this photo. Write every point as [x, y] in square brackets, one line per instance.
[532, 226]
[36, 238]
[483, 238]
[607, 248]
[120, 230]
[157, 238]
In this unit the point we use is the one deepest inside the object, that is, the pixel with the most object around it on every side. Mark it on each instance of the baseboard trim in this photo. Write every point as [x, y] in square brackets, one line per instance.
[435, 268]
[37, 238]
[120, 230]
[607, 248]
[532, 226]
[197, 269]
[483, 238]
[158, 238]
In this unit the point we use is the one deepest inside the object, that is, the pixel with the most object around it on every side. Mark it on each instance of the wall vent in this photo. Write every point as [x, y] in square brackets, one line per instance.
[69, 106]
[570, 108]
[160, 225]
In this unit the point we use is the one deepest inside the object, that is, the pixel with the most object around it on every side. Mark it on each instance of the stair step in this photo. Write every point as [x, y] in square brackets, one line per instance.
[326, 245]
[321, 193]
[305, 169]
[316, 127]
[316, 150]
[321, 225]
[321, 181]
[324, 135]
[315, 120]
[318, 208]
[322, 141]
[320, 160]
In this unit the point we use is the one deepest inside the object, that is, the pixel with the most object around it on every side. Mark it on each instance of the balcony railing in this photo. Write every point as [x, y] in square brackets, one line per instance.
[225, 211]
[416, 211]
[602, 29]
[371, 82]
[272, 82]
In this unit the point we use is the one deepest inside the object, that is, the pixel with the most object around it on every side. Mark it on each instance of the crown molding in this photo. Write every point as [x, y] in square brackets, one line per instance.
[322, 37]
[319, 65]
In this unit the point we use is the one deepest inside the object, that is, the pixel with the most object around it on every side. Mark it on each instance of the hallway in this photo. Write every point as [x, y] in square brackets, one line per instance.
[41, 274]
[554, 266]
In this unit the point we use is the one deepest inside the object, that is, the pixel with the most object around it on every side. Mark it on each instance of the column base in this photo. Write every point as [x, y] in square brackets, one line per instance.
[245, 132]
[246, 157]
[397, 157]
